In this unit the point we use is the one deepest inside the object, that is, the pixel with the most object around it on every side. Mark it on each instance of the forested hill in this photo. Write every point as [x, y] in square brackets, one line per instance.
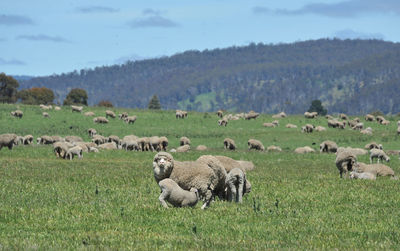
[352, 76]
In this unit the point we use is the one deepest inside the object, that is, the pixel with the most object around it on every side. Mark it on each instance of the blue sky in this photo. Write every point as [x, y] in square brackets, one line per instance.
[45, 37]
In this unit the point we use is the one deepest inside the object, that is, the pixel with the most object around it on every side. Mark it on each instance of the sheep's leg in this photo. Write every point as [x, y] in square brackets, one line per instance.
[370, 160]
[240, 191]
[207, 199]
[379, 158]
[162, 197]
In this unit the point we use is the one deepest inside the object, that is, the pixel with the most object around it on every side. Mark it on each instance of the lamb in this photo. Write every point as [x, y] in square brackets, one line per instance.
[201, 148]
[291, 126]
[373, 145]
[235, 184]
[45, 115]
[89, 114]
[362, 176]
[378, 154]
[274, 149]
[17, 113]
[130, 119]
[108, 146]
[328, 146]
[100, 120]
[223, 122]
[320, 129]
[9, 140]
[188, 174]
[163, 143]
[308, 128]
[369, 117]
[27, 139]
[345, 161]
[174, 194]
[376, 169]
[183, 149]
[76, 150]
[76, 108]
[184, 141]
[229, 144]
[255, 144]
[304, 149]
[61, 148]
[110, 114]
[92, 132]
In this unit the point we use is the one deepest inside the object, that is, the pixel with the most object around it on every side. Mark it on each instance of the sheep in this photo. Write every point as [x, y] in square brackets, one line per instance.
[320, 129]
[343, 116]
[89, 114]
[20, 140]
[251, 115]
[362, 176]
[92, 132]
[93, 150]
[379, 119]
[114, 138]
[27, 139]
[57, 108]
[163, 143]
[108, 146]
[9, 140]
[45, 107]
[76, 108]
[376, 169]
[130, 145]
[100, 120]
[235, 184]
[352, 123]
[336, 124]
[219, 170]
[229, 144]
[373, 145]
[130, 137]
[279, 115]
[144, 144]
[184, 141]
[255, 144]
[398, 130]
[379, 155]
[308, 128]
[45, 115]
[310, 115]
[345, 160]
[355, 151]
[369, 117]
[174, 194]
[304, 149]
[17, 113]
[99, 139]
[188, 174]
[73, 139]
[220, 113]
[291, 126]
[274, 149]
[329, 117]
[366, 131]
[76, 150]
[45, 140]
[60, 148]
[155, 143]
[183, 149]
[85, 145]
[385, 122]
[110, 114]
[223, 122]
[181, 114]
[269, 125]
[358, 126]
[328, 146]
[201, 148]
[123, 115]
[130, 119]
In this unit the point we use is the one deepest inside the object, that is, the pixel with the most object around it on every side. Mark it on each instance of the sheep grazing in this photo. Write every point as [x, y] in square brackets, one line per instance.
[76, 108]
[291, 126]
[184, 141]
[369, 117]
[329, 117]
[304, 150]
[130, 119]
[188, 174]
[99, 139]
[219, 170]
[310, 115]
[45, 140]
[89, 114]
[130, 145]
[8, 140]
[343, 116]
[183, 149]
[379, 119]
[385, 122]
[60, 149]
[362, 176]
[110, 114]
[269, 125]
[376, 169]
[255, 144]
[155, 143]
[235, 185]
[45, 107]
[373, 145]
[92, 132]
[251, 115]
[144, 144]
[108, 146]
[201, 148]
[229, 144]
[358, 126]
[279, 115]
[328, 146]
[163, 143]
[274, 149]
[27, 139]
[379, 155]
[352, 123]
[220, 113]
[17, 113]
[366, 131]
[308, 128]
[223, 122]
[45, 115]
[345, 160]
[175, 195]
[320, 129]
[114, 138]
[100, 120]
[179, 114]
[74, 151]
[123, 115]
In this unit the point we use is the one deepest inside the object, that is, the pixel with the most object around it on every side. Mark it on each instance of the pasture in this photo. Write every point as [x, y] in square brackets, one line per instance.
[110, 199]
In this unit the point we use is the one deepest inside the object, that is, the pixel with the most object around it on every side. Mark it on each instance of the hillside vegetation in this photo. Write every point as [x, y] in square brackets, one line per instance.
[351, 76]
[109, 200]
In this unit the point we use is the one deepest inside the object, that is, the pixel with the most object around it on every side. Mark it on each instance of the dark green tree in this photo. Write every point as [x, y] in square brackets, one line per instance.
[8, 89]
[76, 96]
[154, 103]
[316, 106]
[36, 96]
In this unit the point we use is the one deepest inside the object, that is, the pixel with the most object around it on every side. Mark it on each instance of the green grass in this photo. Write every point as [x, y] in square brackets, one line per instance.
[110, 199]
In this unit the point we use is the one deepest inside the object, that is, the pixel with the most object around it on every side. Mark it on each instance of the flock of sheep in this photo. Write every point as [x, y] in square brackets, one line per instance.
[185, 183]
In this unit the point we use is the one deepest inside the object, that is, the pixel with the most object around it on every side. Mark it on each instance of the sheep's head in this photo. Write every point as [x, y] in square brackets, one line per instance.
[387, 158]
[163, 163]
[247, 186]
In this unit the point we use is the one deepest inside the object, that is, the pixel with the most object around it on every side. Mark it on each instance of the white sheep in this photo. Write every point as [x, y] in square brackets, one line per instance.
[291, 126]
[76, 108]
[174, 194]
[9, 140]
[184, 141]
[229, 144]
[378, 154]
[274, 149]
[362, 176]
[345, 160]
[255, 144]
[376, 169]
[76, 150]
[304, 149]
[328, 146]
[235, 184]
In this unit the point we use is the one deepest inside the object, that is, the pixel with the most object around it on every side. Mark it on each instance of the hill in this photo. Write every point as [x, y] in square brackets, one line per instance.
[350, 76]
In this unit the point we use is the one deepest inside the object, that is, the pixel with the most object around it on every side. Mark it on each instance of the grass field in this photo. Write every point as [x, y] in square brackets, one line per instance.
[110, 199]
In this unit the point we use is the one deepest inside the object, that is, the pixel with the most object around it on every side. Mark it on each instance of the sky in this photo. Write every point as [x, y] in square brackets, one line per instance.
[45, 37]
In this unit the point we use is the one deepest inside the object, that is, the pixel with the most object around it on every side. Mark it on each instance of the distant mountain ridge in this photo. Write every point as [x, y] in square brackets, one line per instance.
[352, 76]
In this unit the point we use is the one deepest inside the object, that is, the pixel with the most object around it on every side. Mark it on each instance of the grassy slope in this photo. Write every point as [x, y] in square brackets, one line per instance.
[297, 201]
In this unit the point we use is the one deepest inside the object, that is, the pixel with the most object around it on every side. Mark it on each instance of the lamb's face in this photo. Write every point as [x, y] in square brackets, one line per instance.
[163, 164]
[194, 190]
